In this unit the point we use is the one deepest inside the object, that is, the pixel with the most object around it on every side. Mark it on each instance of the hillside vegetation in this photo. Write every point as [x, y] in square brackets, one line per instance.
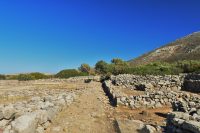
[186, 48]
[115, 67]
[155, 68]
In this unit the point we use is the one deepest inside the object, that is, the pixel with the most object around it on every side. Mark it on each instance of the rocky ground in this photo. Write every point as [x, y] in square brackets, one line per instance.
[73, 106]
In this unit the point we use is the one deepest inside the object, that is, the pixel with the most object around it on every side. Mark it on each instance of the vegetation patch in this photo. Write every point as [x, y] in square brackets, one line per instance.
[70, 73]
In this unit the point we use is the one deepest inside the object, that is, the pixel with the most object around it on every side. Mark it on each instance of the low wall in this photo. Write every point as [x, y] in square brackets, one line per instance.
[161, 91]
[152, 99]
[34, 115]
[180, 122]
[149, 82]
[192, 83]
[83, 78]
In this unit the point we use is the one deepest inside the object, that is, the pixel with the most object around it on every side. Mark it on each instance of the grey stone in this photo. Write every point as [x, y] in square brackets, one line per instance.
[158, 105]
[123, 99]
[8, 129]
[3, 123]
[195, 116]
[132, 103]
[60, 102]
[46, 104]
[148, 129]
[198, 111]
[177, 121]
[25, 124]
[129, 126]
[8, 112]
[51, 113]
[40, 130]
[192, 126]
[42, 116]
[181, 115]
[119, 102]
[149, 86]
[46, 125]
[192, 110]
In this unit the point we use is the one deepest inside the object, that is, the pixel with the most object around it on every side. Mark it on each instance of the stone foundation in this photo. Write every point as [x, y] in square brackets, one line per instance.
[34, 115]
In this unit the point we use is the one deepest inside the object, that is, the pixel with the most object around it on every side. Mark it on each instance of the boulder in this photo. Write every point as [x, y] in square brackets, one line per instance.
[8, 129]
[148, 129]
[3, 123]
[129, 126]
[42, 116]
[8, 112]
[25, 124]
[46, 104]
[177, 121]
[51, 113]
[192, 126]
[181, 115]
[40, 130]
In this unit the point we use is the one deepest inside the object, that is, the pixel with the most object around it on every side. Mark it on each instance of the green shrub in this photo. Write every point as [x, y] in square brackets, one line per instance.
[85, 68]
[189, 66]
[70, 73]
[25, 77]
[156, 68]
[38, 75]
[2, 77]
[118, 66]
[29, 76]
[12, 77]
[102, 67]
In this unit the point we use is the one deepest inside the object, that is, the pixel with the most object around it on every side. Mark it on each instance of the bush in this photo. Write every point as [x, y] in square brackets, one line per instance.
[85, 68]
[70, 73]
[156, 68]
[38, 75]
[189, 66]
[102, 67]
[2, 77]
[12, 77]
[25, 77]
[30, 76]
[118, 66]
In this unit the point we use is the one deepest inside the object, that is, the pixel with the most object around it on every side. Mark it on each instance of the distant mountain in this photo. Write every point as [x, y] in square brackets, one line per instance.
[186, 48]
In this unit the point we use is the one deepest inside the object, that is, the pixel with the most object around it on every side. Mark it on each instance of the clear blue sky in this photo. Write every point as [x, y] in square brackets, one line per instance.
[50, 35]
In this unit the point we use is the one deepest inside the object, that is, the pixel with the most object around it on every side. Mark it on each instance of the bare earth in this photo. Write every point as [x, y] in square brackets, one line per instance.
[88, 114]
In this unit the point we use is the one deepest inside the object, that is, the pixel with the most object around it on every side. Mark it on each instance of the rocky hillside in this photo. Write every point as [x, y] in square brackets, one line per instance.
[186, 48]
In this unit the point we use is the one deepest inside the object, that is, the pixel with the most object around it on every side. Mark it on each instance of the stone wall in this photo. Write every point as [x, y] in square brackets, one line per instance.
[33, 115]
[161, 91]
[153, 99]
[83, 78]
[167, 82]
[180, 122]
[192, 83]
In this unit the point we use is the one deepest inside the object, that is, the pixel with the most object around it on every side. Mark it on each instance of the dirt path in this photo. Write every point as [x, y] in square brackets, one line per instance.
[89, 113]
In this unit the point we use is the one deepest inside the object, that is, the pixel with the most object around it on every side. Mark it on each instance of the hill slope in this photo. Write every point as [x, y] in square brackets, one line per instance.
[186, 48]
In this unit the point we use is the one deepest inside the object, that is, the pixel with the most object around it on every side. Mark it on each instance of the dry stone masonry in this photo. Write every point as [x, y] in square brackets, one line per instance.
[168, 82]
[159, 91]
[83, 78]
[192, 83]
[36, 114]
